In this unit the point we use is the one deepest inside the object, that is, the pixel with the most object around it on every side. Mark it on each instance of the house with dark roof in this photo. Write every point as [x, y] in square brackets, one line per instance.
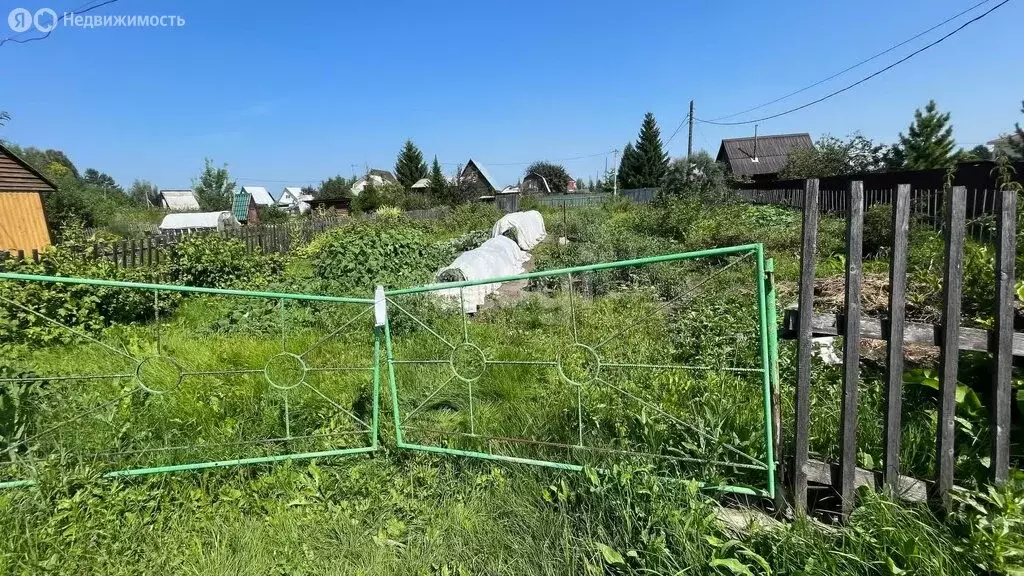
[534, 183]
[375, 176]
[475, 174]
[760, 157]
[22, 205]
[243, 208]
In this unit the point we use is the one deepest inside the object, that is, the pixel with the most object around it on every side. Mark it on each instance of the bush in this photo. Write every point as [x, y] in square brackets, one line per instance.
[392, 212]
[386, 251]
[214, 262]
[272, 215]
[877, 229]
[529, 203]
[29, 310]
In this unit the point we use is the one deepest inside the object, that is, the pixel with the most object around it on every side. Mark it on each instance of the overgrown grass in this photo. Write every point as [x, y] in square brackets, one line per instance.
[402, 512]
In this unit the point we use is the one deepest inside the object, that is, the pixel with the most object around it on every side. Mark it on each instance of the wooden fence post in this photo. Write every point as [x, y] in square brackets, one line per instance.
[894, 346]
[1002, 360]
[851, 346]
[132, 244]
[955, 200]
[801, 443]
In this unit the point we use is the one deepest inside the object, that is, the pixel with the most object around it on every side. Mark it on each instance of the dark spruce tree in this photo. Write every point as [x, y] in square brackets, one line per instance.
[929, 141]
[644, 164]
[629, 168]
[438, 183]
[410, 167]
[653, 161]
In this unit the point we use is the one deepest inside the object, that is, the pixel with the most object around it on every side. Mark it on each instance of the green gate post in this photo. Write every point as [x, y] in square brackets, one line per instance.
[766, 373]
[773, 359]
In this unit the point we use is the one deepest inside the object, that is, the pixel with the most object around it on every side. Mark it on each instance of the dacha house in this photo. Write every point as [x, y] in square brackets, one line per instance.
[23, 191]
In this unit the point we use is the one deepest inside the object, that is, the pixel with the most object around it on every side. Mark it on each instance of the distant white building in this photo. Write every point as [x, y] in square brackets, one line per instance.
[294, 199]
[421, 185]
[289, 197]
[182, 200]
[260, 195]
[377, 177]
[199, 221]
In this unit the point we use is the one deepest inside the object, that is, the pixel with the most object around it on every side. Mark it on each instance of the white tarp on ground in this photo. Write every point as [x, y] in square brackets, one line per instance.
[198, 220]
[528, 228]
[499, 256]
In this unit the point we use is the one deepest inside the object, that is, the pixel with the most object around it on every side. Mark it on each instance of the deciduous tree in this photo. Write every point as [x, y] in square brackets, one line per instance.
[101, 180]
[410, 167]
[555, 174]
[929, 141]
[144, 192]
[699, 178]
[214, 188]
[335, 187]
[832, 156]
[979, 152]
[42, 160]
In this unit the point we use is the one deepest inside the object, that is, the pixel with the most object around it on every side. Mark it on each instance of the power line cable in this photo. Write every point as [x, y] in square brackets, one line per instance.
[678, 128]
[857, 65]
[595, 155]
[80, 10]
[862, 80]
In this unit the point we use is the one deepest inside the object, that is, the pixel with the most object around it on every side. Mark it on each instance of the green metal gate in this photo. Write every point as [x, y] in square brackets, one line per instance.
[277, 377]
[576, 372]
[575, 367]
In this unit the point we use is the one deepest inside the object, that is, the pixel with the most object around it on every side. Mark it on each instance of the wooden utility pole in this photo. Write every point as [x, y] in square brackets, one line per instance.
[689, 141]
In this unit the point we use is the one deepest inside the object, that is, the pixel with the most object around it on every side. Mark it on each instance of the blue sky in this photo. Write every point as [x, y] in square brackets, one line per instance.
[294, 92]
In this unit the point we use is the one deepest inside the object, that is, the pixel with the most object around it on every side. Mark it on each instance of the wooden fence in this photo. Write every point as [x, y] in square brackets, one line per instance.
[153, 249]
[638, 195]
[926, 206]
[927, 194]
[948, 335]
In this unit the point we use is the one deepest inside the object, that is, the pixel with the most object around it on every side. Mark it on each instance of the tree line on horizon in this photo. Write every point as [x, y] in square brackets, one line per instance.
[93, 197]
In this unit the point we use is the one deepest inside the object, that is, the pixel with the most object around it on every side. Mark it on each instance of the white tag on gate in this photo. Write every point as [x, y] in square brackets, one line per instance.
[380, 307]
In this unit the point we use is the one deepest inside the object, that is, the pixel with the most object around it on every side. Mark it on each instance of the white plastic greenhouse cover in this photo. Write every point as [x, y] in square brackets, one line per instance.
[499, 256]
[528, 226]
[194, 220]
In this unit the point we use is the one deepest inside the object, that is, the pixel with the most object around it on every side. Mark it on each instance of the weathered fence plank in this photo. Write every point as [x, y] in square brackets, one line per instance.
[827, 474]
[808, 254]
[894, 350]
[955, 200]
[851, 347]
[1002, 360]
[913, 332]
